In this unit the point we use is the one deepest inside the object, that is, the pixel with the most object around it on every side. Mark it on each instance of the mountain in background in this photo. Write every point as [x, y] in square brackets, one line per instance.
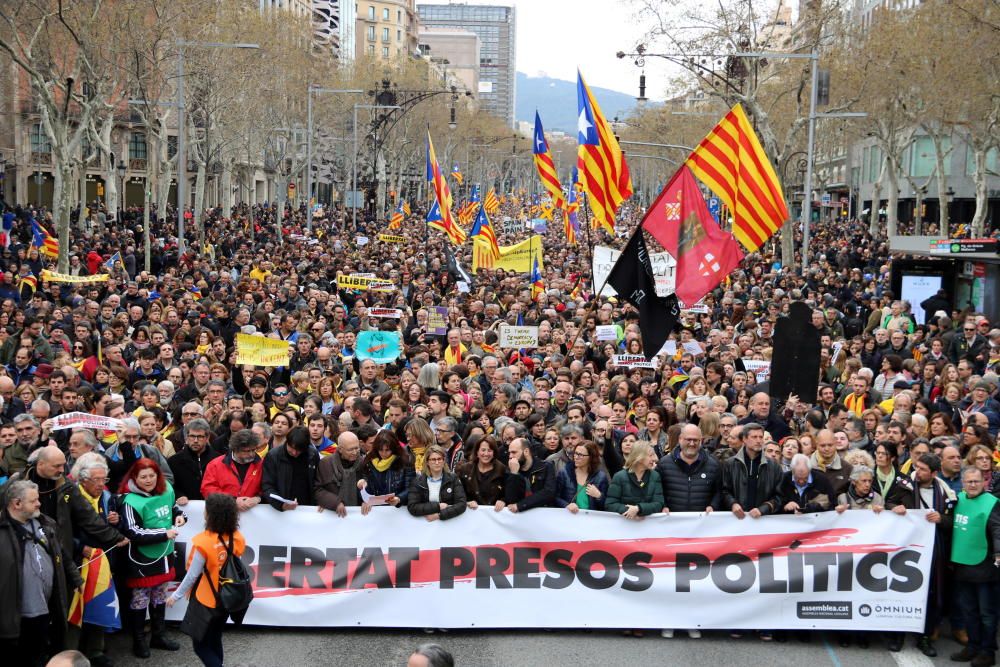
[555, 100]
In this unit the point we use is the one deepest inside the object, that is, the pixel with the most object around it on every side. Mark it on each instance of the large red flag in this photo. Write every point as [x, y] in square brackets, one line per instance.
[680, 221]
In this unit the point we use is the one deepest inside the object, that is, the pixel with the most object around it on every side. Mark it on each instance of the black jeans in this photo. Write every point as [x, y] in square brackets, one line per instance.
[209, 649]
[31, 647]
[978, 606]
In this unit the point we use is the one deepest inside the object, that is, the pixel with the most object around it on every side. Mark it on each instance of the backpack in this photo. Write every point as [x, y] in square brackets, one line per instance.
[235, 592]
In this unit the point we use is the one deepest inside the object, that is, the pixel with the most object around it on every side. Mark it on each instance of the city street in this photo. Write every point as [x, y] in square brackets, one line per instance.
[254, 647]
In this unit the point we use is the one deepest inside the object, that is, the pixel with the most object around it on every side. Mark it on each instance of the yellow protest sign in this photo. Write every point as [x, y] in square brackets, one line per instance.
[53, 277]
[364, 283]
[260, 351]
[518, 257]
[391, 238]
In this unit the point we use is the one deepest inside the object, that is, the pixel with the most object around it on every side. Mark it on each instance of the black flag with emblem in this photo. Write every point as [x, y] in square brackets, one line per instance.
[632, 278]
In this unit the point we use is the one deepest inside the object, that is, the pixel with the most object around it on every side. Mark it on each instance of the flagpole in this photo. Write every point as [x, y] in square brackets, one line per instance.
[597, 294]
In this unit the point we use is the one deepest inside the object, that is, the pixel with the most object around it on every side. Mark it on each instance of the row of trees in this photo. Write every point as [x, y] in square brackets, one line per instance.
[91, 67]
[931, 70]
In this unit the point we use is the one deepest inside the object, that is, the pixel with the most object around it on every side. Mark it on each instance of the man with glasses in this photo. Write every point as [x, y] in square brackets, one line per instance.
[12, 405]
[975, 558]
[282, 400]
[239, 473]
[189, 464]
[337, 476]
[980, 402]
[971, 346]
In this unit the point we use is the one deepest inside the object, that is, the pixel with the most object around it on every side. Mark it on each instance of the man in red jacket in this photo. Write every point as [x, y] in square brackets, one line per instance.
[239, 473]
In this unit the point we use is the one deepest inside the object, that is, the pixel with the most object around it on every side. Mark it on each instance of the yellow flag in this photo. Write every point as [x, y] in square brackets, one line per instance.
[518, 257]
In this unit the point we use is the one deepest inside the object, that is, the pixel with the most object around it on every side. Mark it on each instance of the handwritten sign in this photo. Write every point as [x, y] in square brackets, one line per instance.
[632, 361]
[261, 351]
[607, 332]
[361, 240]
[437, 321]
[382, 347]
[664, 268]
[518, 336]
[761, 369]
[391, 313]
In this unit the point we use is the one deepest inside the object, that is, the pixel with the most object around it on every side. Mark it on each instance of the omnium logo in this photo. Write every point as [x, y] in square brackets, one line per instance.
[826, 609]
[894, 609]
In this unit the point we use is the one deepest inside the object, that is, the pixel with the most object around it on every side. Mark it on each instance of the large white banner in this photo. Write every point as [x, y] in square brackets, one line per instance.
[664, 269]
[550, 568]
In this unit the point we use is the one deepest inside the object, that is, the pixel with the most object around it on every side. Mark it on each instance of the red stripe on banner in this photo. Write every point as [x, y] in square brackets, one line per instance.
[426, 569]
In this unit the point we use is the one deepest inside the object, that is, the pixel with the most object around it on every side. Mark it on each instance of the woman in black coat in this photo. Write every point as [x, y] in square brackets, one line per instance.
[436, 493]
[483, 476]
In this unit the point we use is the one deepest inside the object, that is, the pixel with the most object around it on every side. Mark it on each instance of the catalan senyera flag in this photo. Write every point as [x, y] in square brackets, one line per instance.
[456, 173]
[603, 171]
[482, 233]
[491, 203]
[732, 163]
[545, 166]
[41, 239]
[405, 206]
[442, 193]
[27, 286]
[396, 221]
[98, 603]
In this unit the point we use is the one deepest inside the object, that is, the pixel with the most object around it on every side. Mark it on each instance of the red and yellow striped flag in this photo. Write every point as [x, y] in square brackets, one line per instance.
[447, 222]
[491, 203]
[732, 163]
[603, 171]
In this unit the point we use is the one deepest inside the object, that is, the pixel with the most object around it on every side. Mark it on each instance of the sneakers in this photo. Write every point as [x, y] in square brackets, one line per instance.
[694, 634]
[965, 655]
[669, 634]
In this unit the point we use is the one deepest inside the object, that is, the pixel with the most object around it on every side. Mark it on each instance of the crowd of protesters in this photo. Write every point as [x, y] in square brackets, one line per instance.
[905, 416]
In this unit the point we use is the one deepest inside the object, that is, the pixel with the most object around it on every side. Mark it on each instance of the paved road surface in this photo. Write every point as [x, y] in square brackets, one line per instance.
[254, 647]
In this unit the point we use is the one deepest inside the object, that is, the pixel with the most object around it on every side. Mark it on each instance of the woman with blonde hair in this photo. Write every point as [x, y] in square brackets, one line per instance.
[418, 438]
[436, 493]
[636, 491]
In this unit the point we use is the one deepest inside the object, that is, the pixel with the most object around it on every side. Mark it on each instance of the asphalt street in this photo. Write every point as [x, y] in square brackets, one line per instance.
[257, 647]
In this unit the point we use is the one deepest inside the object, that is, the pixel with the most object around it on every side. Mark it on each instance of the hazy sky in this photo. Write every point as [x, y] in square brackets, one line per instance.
[557, 36]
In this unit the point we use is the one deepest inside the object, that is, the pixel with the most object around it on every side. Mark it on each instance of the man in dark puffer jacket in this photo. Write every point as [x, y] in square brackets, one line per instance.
[690, 477]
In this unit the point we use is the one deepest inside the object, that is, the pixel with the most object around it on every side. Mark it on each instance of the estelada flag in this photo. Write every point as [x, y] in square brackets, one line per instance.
[98, 603]
[680, 221]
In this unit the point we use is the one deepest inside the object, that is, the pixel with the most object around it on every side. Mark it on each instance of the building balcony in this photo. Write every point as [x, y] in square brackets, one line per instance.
[40, 159]
[137, 164]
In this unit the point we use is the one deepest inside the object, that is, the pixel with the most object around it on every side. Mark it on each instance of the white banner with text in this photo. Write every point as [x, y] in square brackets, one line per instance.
[487, 569]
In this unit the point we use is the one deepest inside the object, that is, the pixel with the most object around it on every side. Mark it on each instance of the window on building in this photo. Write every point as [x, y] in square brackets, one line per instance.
[39, 140]
[922, 157]
[137, 146]
[385, 51]
[371, 13]
[171, 147]
[385, 34]
[371, 49]
[371, 33]
[399, 35]
[385, 14]
[399, 16]
[875, 164]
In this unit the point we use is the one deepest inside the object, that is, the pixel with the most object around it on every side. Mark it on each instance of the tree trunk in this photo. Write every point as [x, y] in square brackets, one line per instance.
[200, 182]
[62, 198]
[942, 183]
[982, 192]
[81, 221]
[873, 220]
[146, 244]
[110, 179]
[787, 245]
[892, 203]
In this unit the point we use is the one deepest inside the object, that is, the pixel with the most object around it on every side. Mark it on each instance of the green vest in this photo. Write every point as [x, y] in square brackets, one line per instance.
[969, 545]
[154, 512]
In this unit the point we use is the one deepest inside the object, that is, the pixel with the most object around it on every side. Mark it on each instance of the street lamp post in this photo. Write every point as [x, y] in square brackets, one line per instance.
[121, 168]
[309, 140]
[181, 129]
[39, 179]
[354, 158]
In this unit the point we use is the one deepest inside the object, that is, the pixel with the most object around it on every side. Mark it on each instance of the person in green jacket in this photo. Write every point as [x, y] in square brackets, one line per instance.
[975, 557]
[636, 491]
